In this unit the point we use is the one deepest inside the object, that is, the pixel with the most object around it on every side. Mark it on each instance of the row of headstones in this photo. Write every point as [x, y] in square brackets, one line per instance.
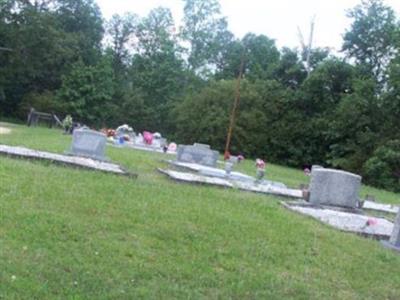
[90, 143]
[327, 186]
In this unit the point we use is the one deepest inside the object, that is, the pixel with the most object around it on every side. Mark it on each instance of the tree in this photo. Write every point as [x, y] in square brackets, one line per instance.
[82, 20]
[205, 31]
[157, 69]
[355, 129]
[290, 71]
[47, 37]
[121, 30]
[261, 56]
[383, 168]
[87, 92]
[371, 38]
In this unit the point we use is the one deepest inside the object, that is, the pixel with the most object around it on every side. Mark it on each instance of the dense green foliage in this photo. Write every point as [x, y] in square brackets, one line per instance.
[180, 81]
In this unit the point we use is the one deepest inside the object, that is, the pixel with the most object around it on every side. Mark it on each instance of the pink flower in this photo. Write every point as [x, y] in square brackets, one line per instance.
[260, 163]
[372, 222]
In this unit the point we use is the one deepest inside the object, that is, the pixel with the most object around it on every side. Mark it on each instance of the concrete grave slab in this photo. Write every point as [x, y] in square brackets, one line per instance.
[269, 189]
[193, 178]
[82, 162]
[227, 182]
[394, 241]
[380, 207]
[380, 228]
[215, 172]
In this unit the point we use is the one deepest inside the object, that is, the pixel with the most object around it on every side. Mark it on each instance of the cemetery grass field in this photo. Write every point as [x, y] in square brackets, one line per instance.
[68, 233]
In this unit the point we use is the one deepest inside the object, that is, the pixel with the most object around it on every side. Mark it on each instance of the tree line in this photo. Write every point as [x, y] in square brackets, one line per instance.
[62, 56]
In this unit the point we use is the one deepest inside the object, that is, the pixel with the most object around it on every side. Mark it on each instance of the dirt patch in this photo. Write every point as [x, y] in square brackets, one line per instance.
[4, 130]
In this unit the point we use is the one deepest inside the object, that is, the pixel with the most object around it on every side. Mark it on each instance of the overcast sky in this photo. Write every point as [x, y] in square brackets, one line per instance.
[277, 19]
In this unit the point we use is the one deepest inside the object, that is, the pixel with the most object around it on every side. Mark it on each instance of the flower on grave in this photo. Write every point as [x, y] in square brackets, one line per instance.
[307, 172]
[240, 157]
[372, 222]
[172, 147]
[67, 122]
[260, 164]
[111, 132]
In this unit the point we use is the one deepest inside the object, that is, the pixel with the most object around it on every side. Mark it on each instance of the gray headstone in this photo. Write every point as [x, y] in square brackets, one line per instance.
[202, 145]
[198, 155]
[334, 187]
[233, 159]
[315, 167]
[89, 143]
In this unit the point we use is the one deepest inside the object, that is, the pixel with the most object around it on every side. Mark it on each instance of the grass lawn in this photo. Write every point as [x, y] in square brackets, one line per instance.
[67, 233]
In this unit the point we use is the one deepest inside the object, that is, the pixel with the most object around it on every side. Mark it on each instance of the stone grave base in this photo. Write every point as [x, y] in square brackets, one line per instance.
[380, 207]
[76, 161]
[141, 147]
[228, 183]
[388, 245]
[220, 173]
[345, 220]
[193, 178]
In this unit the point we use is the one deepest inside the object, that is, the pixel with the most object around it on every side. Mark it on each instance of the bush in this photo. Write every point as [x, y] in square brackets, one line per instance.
[383, 168]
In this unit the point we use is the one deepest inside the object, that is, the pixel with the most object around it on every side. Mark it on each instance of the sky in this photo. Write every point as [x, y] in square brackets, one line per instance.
[278, 19]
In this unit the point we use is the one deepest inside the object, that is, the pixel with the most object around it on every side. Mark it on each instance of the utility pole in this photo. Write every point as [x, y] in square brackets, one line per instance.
[233, 112]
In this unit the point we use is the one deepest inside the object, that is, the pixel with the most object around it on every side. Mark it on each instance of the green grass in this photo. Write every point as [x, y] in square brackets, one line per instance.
[76, 234]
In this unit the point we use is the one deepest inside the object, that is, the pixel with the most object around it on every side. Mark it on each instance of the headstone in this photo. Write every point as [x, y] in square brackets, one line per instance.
[202, 145]
[228, 167]
[89, 143]
[334, 187]
[370, 198]
[159, 143]
[233, 159]
[199, 155]
[315, 167]
[394, 241]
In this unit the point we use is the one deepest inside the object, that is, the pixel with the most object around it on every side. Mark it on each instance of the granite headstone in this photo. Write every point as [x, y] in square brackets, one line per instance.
[88, 143]
[334, 187]
[197, 154]
[202, 145]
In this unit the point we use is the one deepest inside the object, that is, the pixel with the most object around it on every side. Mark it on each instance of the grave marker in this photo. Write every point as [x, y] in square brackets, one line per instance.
[334, 187]
[198, 155]
[202, 145]
[88, 143]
